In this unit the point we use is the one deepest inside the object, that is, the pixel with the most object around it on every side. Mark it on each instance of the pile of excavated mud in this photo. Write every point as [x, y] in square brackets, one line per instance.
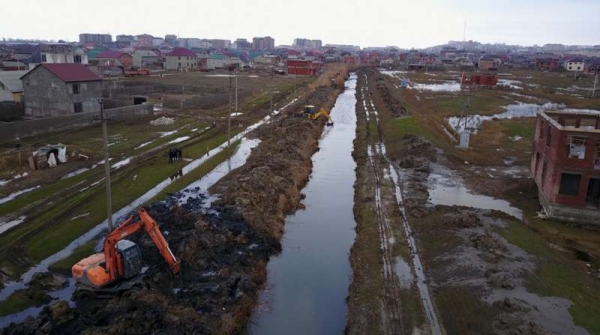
[223, 249]
[214, 292]
[268, 186]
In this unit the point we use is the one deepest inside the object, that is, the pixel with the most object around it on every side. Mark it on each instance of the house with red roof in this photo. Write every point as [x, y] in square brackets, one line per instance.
[111, 58]
[61, 89]
[181, 59]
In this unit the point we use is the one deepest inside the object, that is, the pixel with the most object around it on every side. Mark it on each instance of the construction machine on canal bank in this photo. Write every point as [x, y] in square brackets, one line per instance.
[118, 269]
[311, 113]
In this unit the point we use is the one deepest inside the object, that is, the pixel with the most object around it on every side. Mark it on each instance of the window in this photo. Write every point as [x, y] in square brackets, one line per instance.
[77, 59]
[537, 164]
[179, 64]
[544, 169]
[77, 107]
[549, 137]
[597, 156]
[541, 128]
[569, 184]
[179, 58]
[575, 146]
[44, 60]
[75, 88]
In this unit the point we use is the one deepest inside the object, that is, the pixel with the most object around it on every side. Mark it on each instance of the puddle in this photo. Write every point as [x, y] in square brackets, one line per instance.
[12, 286]
[179, 139]
[472, 123]
[404, 273]
[392, 73]
[202, 185]
[167, 133]
[449, 86]
[74, 173]
[62, 294]
[309, 280]
[511, 83]
[4, 226]
[16, 194]
[447, 189]
[143, 145]
[122, 163]
[6, 181]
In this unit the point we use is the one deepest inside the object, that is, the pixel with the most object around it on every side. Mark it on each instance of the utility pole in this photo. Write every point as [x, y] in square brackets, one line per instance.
[236, 90]
[103, 118]
[229, 115]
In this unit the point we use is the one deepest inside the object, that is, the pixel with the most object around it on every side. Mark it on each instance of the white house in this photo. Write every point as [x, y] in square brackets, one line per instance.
[575, 64]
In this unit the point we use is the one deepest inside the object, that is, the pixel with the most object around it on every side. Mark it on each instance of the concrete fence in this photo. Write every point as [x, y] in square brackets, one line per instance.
[22, 129]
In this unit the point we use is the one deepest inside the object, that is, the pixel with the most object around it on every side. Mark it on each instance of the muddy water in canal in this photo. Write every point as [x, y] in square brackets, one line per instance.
[308, 282]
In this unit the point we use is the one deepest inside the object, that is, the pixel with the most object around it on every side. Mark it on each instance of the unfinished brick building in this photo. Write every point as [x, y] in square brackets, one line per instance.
[565, 164]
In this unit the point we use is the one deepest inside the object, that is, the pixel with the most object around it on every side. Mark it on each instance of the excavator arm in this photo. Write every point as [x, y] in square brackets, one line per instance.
[159, 240]
[324, 112]
[114, 263]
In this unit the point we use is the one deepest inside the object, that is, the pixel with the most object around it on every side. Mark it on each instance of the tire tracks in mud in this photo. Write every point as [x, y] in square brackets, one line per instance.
[393, 294]
[392, 309]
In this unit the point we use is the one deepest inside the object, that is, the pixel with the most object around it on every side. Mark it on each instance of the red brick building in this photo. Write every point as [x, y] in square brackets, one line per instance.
[547, 64]
[565, 165]
[115, 58]
[301, 67]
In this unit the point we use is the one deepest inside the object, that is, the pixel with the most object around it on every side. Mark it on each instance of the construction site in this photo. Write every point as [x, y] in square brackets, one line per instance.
[361, 200]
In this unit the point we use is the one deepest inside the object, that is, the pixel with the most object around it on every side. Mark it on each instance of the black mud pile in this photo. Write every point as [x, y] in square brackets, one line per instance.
[221, 273]
[392, 102]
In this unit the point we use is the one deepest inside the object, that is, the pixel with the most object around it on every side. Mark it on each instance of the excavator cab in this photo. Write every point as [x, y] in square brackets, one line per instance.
[131, 258]
[309, 110]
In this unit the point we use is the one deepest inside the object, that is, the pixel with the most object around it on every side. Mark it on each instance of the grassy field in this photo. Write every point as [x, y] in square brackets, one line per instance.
[557, 274]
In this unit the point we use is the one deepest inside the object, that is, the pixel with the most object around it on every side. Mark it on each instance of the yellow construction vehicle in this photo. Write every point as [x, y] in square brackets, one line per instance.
[311, 113]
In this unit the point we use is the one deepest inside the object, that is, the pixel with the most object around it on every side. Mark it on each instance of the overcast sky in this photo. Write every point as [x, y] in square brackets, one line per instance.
[416, 23]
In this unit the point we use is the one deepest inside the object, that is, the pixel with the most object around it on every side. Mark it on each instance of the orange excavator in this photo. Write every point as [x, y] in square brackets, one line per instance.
[118, 268]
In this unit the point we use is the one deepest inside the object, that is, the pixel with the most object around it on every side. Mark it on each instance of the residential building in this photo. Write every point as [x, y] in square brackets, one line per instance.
[302, 67]
[242, 44]
[61, 89]
[123, 41]
[146, 58]
[50, 53]
[144, 40]
[263, 43]
[171, 39]
[221, 44]
[181, 59]
[11, 87]
[95, 38]
[565, 165]
[488, 62]
[115, 58]
[215, 61]
[546, 64]
[593, 67]
[575, 64]
[307, 44]
[157, 41]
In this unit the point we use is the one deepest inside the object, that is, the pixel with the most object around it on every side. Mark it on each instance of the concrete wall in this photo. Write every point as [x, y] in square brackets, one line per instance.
[180, 63]
[23, 129]
[48, 96]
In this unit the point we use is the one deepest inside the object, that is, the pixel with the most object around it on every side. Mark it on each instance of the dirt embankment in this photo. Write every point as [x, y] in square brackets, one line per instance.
[223, 255]
[268, 186]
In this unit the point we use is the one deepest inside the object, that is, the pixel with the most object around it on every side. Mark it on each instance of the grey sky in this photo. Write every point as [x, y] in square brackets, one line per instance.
[403, 23]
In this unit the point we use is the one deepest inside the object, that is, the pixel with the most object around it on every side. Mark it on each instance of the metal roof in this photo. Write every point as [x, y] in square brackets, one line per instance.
[12, 80]
[69, 72]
